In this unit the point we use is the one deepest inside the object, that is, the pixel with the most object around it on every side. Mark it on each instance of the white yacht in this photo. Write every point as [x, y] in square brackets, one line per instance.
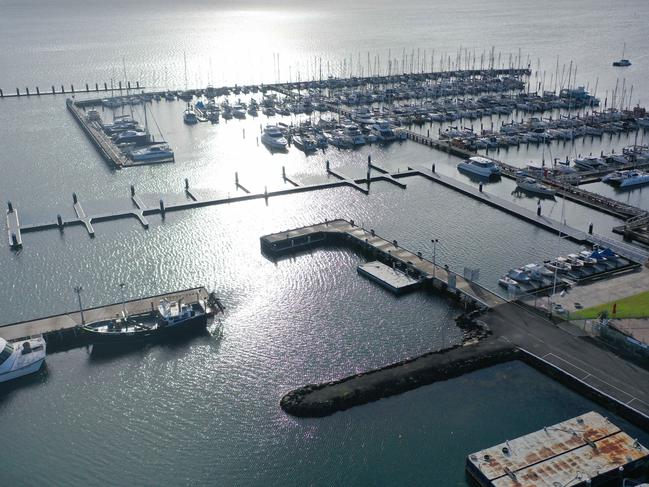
[305, 143]
[353, 132]
[273, 138]
[480, 166]
[21, 358]
[627, 179]
[383, 131]
[589, 163]
[160, 152]
[531, 185]
[239, 111]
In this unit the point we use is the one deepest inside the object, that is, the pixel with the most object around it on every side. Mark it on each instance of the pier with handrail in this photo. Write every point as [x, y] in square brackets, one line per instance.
[414, 264]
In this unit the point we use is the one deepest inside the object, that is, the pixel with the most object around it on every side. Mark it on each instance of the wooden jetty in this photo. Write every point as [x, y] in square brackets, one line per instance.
[88, 88]
[412, 264]
[60, 325]
[104, 145]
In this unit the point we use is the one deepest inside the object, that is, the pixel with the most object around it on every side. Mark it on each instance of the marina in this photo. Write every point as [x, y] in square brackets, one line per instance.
[421, 218]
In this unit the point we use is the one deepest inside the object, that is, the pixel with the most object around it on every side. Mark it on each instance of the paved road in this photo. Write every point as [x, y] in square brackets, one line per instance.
[574, 354]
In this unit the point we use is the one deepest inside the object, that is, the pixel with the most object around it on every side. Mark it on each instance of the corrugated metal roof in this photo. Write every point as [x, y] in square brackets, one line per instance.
[583, 447]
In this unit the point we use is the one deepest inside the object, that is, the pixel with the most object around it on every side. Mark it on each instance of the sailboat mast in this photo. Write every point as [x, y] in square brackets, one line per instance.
[185, 61]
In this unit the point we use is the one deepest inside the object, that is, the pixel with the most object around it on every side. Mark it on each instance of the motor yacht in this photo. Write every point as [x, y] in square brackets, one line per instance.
[21, 358]
[273, 138]
[152, 153]
[531, 185]
[480, 166]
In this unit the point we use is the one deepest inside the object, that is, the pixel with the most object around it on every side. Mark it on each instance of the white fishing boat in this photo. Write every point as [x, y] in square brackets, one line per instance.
[21, 358]
[586, 256]
[239, 111]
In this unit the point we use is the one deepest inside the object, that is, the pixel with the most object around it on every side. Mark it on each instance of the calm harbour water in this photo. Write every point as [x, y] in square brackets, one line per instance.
[206, 410]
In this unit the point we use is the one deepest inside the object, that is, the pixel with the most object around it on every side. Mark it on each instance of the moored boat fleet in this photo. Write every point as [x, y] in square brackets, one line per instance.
[171, 318]
[135, 141]
[564, 270]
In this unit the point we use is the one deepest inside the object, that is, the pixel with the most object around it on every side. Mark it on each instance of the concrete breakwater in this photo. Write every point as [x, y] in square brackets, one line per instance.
[317, 400]
[504, 333]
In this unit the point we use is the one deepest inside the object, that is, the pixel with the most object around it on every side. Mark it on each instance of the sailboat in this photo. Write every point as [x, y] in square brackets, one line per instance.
[189, 115]
[154, 151]
[622, 62]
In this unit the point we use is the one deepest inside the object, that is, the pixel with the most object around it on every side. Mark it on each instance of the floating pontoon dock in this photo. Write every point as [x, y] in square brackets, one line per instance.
[389, 277]
[586, 450]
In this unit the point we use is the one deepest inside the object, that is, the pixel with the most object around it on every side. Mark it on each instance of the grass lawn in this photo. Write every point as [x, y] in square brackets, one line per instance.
[630, 307]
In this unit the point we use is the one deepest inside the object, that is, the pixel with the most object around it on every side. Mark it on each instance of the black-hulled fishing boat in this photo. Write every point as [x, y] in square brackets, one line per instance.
[171, 317]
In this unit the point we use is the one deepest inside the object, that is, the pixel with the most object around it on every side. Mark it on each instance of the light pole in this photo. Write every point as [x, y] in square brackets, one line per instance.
[434, 242]
[121, 286]
[78, 289]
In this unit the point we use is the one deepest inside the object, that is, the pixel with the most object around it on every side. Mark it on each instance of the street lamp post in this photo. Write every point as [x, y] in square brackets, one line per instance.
[434, 242]
[121, 286]
[78, 290]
